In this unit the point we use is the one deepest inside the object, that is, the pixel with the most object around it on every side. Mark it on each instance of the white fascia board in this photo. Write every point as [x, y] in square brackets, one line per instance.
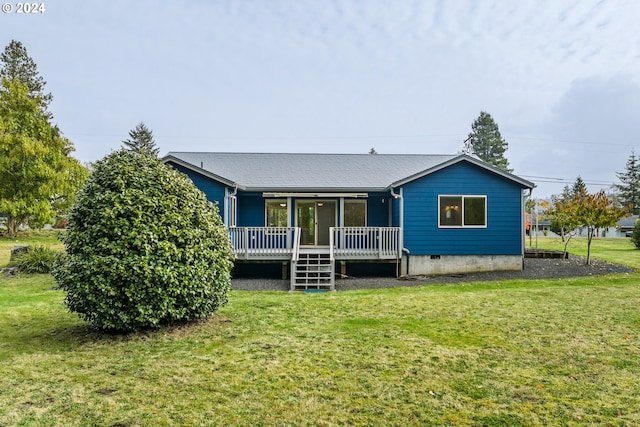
[312, 195]
[473, 160]
[204, 172]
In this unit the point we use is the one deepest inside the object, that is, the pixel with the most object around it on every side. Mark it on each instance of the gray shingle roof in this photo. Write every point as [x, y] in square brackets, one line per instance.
[300, 171]
[628, 222]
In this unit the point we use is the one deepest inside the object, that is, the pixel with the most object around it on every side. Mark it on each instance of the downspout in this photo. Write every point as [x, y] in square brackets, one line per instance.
[401, 223]
[523, 236]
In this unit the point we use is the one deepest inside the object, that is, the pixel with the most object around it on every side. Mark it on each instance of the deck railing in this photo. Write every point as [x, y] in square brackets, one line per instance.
[365, 242]
[263, 243]
[345, 243]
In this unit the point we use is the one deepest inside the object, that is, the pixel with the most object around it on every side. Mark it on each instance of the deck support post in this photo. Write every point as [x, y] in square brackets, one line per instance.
[343, 269]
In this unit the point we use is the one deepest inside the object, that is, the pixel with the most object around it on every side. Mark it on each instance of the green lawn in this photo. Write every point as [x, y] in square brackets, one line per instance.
[46, 238]
[550, 352]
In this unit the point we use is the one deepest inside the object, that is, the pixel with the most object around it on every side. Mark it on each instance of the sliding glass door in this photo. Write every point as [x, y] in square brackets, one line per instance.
[314, 219]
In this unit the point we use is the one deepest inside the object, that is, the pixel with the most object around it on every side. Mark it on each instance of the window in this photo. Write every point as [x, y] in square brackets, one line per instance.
[462, 211]
[475, 214]
[277, 213]
[355, 213]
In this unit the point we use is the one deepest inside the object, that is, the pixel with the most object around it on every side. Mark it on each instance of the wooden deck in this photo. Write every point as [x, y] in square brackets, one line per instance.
[265, 243]
[345, 243]
[543, 253]
[359, 243]
[313, 267]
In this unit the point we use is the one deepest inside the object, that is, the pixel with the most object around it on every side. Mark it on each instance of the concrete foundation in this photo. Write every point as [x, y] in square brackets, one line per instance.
[415, 265]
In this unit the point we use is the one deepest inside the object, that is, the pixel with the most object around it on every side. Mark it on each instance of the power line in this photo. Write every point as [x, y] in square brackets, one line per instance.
[361, 137]
[573, 141]
[281, 137]
[554, 180]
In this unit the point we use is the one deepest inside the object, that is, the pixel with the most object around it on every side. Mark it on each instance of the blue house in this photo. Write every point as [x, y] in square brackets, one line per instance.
[318, 213]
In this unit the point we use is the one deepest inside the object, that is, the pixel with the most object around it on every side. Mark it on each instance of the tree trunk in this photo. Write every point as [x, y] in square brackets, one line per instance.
[13, 225]
[566, 243]
[589, 237]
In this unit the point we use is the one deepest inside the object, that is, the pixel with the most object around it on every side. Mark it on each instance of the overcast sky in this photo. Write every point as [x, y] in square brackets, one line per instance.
[561, 78]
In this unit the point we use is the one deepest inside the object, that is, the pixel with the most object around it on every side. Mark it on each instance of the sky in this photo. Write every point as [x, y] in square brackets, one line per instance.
[560, 78]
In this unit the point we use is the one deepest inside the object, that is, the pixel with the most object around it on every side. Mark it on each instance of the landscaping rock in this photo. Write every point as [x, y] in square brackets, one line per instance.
[17, 250]
[9, 271]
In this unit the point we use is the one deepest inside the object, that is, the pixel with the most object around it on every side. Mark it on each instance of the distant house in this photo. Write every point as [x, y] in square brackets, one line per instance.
[625, 225]
[537, 227]
[318, 213]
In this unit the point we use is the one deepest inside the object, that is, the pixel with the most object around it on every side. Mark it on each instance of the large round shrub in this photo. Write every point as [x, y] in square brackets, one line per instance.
[144, 247]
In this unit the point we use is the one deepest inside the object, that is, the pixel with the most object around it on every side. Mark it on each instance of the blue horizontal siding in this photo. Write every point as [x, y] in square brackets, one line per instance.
[503, 234]
[212, 189]
[378, 210]
[395, 212]
[251, 209]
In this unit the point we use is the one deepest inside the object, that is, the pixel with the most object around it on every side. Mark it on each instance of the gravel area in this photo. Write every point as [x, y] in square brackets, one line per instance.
[534, 268]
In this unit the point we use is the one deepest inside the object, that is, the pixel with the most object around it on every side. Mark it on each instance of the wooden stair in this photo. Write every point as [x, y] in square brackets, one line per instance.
[313, 270]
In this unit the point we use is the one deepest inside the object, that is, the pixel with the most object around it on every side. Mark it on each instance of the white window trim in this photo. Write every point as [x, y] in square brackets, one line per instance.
[233, 211]
[463, 196]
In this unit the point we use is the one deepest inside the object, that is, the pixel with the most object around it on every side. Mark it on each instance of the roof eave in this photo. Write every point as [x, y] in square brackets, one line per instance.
[316, 189]
[190, 166]
[464, 157]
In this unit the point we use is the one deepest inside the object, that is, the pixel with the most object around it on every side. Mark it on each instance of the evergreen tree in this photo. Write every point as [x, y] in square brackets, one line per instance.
[629, 187]
[635, 234]
[38, 176]
[579, 187]
[15, 63]
[486, 142]
[141, 140]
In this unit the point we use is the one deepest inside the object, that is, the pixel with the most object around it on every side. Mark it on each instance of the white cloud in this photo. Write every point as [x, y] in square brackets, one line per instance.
[589, 132]
[295, 75]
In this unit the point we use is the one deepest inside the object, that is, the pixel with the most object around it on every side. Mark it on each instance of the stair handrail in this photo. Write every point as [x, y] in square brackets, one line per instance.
[296, 244]
[331, 243]
[295, 253]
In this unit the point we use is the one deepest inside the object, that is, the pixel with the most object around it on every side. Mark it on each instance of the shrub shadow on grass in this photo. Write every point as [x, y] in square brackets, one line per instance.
[59, 338]
[30, 339]
[75, 337]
